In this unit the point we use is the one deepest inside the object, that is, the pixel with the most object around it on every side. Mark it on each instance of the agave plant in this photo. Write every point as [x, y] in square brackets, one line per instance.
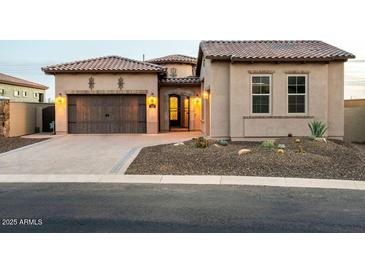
[317, 128]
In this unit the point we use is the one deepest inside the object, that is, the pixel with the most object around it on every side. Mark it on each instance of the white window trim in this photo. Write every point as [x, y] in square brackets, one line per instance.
[35, 95]
[16, 93]
[2, 91]
[25, 93]
[305, 94]
[270, 95]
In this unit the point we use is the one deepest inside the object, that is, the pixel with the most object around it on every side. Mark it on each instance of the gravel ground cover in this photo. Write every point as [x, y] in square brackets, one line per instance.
[331, 160]
[7, 144]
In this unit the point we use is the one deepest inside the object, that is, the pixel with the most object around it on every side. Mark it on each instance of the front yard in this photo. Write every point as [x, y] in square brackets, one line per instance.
[316, 159]
[7, 144]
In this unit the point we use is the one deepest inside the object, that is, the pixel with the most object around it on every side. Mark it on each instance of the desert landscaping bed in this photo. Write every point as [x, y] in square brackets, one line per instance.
[7, 144]
[327, 160]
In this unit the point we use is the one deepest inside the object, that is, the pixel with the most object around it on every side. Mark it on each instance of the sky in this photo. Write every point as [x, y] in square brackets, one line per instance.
[24, 59]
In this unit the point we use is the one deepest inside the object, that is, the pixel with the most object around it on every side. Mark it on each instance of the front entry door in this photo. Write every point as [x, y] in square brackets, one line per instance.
[174, 111]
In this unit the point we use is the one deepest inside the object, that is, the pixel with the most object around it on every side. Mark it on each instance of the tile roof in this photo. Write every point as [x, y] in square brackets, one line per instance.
[255, 50]
[174, 59]
[275, 50]
[104, 64]
[190, 80]
[10, 80]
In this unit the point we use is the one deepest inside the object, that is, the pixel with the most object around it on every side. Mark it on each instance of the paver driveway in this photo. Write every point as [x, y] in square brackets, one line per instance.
[83, 154]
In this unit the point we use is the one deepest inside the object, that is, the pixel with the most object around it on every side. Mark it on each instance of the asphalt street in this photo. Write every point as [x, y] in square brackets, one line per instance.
[92, 207]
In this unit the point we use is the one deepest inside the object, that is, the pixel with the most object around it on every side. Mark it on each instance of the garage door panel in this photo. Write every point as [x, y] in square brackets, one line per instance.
[107, 114]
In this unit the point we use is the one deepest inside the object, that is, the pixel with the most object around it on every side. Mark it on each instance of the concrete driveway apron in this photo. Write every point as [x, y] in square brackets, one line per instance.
[84, 154]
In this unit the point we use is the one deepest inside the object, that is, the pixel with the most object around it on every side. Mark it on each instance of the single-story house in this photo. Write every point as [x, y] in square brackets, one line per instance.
[234, 89]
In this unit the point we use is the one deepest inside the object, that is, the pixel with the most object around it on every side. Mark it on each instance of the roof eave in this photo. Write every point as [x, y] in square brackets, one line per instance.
[36, 86]
[284, 60]
[54, 72]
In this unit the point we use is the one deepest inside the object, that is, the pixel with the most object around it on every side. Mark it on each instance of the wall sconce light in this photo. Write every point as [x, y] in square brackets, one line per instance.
[60, 99]
[206, 94]
[196, 99]
[152, 101]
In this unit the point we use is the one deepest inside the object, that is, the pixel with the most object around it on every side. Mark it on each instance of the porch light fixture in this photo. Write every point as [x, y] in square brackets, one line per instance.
[152, 101]
[197, 99]
[60, 99]
[205, 94]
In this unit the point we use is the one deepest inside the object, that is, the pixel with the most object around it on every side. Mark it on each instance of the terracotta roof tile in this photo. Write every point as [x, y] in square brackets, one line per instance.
[174, 59]
[7, 79]
[278, 50]
[104, 64]
[190, 80]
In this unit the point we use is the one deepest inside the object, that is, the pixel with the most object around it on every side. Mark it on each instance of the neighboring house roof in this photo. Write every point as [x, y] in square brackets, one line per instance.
[261, 51]
[104, 64]
[190, 80]
[11, 80]
[174, 59]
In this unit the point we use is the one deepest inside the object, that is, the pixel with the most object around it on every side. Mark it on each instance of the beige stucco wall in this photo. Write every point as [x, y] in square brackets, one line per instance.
[205, 77]
[138, 83]
[195, 105]
[9, 93]
[230, 99]
[25, 117]
[182, 70]
[355, 123]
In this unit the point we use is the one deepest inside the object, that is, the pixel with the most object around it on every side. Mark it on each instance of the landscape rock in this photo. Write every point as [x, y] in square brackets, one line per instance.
[323, 140]
[244, 151]
[179, 144]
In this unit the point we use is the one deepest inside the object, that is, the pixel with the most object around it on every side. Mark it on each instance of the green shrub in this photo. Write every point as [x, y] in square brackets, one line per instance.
[269, 144]
[222, 142]
[201, 142]
[317, 128]
[281, 146]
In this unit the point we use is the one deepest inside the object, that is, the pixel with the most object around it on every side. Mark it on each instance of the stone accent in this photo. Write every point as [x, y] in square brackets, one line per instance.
[4, 118]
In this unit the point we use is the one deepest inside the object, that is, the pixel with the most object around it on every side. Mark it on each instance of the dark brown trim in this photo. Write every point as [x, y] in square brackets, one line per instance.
[180, 84]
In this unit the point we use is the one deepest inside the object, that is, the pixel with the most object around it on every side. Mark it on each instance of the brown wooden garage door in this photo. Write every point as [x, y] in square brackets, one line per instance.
[106, 114]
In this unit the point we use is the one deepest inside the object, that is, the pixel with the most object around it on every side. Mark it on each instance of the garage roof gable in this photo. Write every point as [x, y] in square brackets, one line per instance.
[106, 64]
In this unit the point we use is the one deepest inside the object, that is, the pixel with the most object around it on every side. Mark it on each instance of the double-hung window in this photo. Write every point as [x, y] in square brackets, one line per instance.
[297, 93]
[261, 94]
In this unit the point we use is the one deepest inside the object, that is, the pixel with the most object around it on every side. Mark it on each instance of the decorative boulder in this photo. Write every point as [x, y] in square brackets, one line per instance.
[323, 140]
[179, 144]
[244, 151]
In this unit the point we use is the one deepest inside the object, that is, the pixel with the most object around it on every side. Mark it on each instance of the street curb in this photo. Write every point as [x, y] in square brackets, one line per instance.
[193, 180]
